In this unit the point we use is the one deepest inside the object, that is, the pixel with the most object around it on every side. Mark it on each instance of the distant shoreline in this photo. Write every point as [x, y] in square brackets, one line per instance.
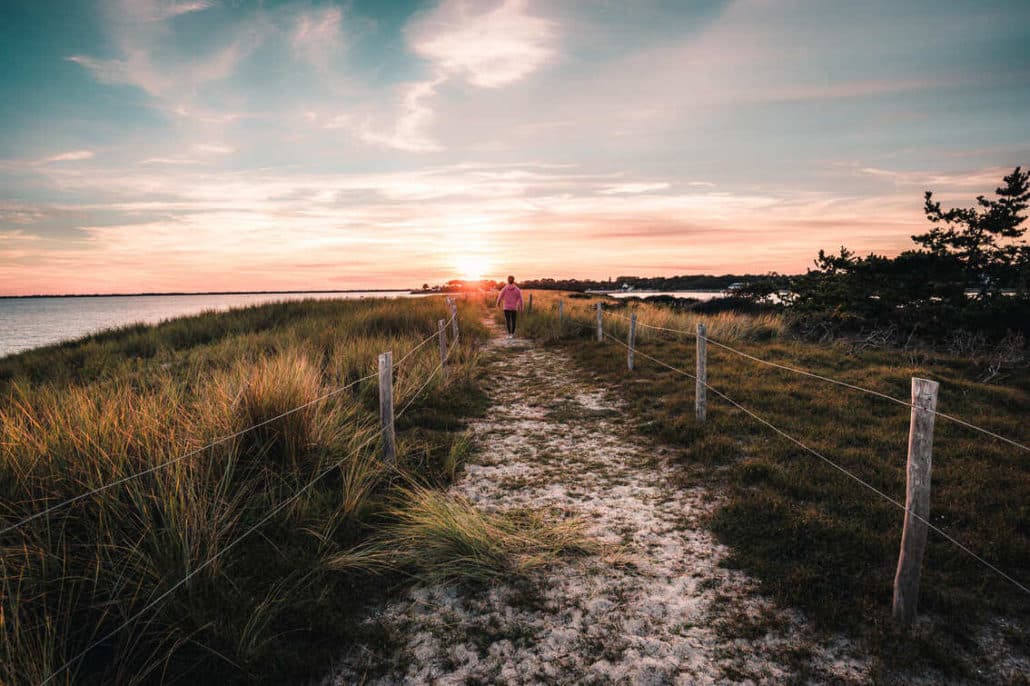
[147, 295]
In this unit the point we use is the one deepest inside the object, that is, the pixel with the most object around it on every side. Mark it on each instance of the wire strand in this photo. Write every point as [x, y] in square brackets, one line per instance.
[838, 382]
[253, 528]
[154, 468]
[423, 342]
[426, 383]
[212, 444]
[207, 563]
[836, 466]
[650, 326]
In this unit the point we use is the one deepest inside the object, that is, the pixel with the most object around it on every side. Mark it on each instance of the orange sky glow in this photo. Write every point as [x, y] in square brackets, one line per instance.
[174, 146]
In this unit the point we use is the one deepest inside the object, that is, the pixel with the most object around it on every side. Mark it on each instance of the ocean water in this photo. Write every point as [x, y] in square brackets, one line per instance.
[31, 322]
[697, 295]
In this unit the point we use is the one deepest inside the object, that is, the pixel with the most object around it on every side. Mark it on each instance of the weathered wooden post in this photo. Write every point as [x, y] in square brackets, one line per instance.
[561, 315]
[600, 323]
[700, 387]
[441, 327]
[917, 500]
[529, 308]
[454, 320]
[632, 342]
[386, 407]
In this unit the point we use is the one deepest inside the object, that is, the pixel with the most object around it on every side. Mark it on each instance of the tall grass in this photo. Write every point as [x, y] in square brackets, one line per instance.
[77, 416]
[813, 538]
[580, 319]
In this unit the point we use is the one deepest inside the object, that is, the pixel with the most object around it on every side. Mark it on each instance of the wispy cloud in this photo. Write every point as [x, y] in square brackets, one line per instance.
[490, 49]
[168, 160]
[153, 59]
[317, 36]
[410, 130]
[143, 11]
[71, 156]
[213, 149]
[978, 178]
[633, 188]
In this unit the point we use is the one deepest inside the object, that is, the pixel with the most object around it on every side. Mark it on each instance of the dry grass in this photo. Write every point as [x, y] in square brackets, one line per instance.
[443, 538]
[75, 417]
[580, 320]
[816, 540]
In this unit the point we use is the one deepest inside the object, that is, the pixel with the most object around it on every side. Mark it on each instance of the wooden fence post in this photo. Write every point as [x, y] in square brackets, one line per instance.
[917, 500]
[454, 321]
[441, 327]
[386, 407]
[530, 307]
[632, 342]
[561, 315]
[700, 388]
[600, 324]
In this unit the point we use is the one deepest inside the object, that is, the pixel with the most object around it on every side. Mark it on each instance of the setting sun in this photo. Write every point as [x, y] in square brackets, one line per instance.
[472, 267]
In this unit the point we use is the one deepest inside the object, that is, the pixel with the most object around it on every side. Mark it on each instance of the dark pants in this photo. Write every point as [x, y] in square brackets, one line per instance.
[509, 320]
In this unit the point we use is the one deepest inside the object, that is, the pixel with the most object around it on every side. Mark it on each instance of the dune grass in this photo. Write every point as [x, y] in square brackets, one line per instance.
[542, 324]
[445, 539]
[814, 539]
[80, 415]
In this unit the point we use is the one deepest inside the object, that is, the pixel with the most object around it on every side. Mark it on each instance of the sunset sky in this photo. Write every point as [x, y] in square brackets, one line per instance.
[153, 145]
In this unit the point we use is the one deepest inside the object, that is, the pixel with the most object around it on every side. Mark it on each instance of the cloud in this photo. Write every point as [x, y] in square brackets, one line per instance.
[71, 156]
[167, 81]
[489, 49]
[981, 178]
[633, 188]
[213, 149]
[153, 58]
[143, 11]
[317, 37]
[168, 160]
[410, 131]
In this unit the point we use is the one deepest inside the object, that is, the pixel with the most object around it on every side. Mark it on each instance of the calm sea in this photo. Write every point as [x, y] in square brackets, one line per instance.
[31, 322]
[696, 295]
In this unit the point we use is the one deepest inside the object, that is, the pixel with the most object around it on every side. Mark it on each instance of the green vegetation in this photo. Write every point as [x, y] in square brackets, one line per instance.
[813, 538]
[273, 608]
[970, 272]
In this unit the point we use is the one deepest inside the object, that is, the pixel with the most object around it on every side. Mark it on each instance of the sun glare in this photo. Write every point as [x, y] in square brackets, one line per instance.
[472, 267]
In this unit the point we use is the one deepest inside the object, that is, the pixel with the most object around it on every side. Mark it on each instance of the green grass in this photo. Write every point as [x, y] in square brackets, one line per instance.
[83, 414]
[813, 538]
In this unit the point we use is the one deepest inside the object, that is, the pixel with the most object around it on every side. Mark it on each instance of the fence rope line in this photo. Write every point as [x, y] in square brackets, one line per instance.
[827, 379]
[426, 383]
[278, 508]
[885, 396]
[424, 341]
[207, 563]
[650, 326]
[217, 441]
[166, 463]
[836, 466]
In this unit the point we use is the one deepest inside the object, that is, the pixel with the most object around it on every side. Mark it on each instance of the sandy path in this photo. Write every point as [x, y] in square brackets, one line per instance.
[646, 615]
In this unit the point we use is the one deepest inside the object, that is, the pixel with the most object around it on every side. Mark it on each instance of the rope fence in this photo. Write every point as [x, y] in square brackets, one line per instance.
[218, 441]
[827, 379]
[390, 463]
[923, 411]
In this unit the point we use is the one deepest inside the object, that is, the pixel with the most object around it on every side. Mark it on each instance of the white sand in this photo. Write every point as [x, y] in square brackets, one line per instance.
[646, 614]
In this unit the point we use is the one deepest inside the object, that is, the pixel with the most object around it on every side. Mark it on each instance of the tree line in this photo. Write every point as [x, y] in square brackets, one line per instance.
[969, 272]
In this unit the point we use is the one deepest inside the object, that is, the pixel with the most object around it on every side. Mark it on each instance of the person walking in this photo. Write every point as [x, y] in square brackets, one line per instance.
[510, 298]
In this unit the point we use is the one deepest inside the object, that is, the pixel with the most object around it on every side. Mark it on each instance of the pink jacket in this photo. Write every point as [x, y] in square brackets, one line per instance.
[511, 296]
